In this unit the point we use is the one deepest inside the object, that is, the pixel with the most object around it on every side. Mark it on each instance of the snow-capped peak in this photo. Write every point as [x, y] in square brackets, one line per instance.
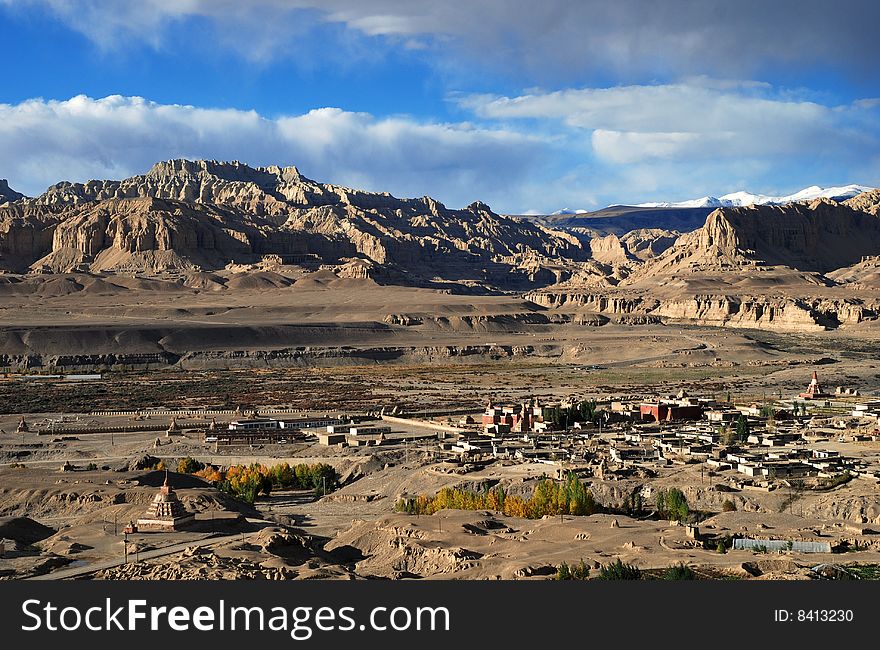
[570, 211]
[741, 198]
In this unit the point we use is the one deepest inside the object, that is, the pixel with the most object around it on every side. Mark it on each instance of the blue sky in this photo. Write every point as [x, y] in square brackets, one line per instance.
[528, 106]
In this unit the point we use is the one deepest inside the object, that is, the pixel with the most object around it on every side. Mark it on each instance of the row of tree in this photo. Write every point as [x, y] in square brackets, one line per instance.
[569, 497]
[247, 482]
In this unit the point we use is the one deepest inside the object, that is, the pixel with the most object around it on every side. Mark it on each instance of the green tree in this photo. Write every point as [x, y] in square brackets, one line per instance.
[563, 572]
[672, 505]
[742, 427]
[579, 571]
[282, 476]
[545, 498]
[303, 476]
[323, 476]
[587, 410]
[768, 411]
[580, 498]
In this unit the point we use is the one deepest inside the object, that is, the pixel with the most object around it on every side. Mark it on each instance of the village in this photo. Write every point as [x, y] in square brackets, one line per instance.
[761, 445]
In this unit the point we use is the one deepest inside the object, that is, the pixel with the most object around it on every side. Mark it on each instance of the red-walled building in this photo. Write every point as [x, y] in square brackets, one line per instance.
[668, 411]
[519, 417]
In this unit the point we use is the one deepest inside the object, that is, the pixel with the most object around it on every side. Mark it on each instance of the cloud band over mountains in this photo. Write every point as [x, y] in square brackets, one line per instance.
[42, 142]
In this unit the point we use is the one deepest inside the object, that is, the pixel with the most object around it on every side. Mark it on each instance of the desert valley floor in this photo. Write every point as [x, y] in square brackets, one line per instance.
[80, 473]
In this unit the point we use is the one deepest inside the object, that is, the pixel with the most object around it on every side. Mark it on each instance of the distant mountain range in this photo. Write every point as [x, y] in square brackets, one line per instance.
[743, 198]
[740, 199]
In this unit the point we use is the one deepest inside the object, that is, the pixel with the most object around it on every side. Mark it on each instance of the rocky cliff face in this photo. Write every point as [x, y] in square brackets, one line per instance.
[647, 243]
[610, 250]
[820, 236]
[774, 312]
[747, 311]
[155, 235]
[25, 235]
[799, 267]
[865, 202]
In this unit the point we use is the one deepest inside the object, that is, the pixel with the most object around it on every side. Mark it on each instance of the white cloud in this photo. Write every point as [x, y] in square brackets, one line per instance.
[42, 142]
[693, 119]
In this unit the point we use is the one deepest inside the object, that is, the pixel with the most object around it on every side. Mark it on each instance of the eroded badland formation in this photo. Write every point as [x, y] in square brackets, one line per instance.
[206, 316]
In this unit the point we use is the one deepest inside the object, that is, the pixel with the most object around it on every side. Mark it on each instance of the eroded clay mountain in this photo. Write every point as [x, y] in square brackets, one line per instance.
[821, 236]
[206, 215]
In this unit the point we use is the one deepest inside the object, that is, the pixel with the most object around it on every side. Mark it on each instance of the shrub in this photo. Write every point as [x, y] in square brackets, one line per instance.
[210, 474]
[579, 571]
[834, 481]
[679, 572]
[728, 506]
[189, 466]
[617, 570]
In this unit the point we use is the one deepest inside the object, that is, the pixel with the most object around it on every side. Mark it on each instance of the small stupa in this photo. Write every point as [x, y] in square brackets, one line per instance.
[166, 513]
[814, 390]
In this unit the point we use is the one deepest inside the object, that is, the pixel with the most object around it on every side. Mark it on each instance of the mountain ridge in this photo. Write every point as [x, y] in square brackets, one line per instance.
[205, 215]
